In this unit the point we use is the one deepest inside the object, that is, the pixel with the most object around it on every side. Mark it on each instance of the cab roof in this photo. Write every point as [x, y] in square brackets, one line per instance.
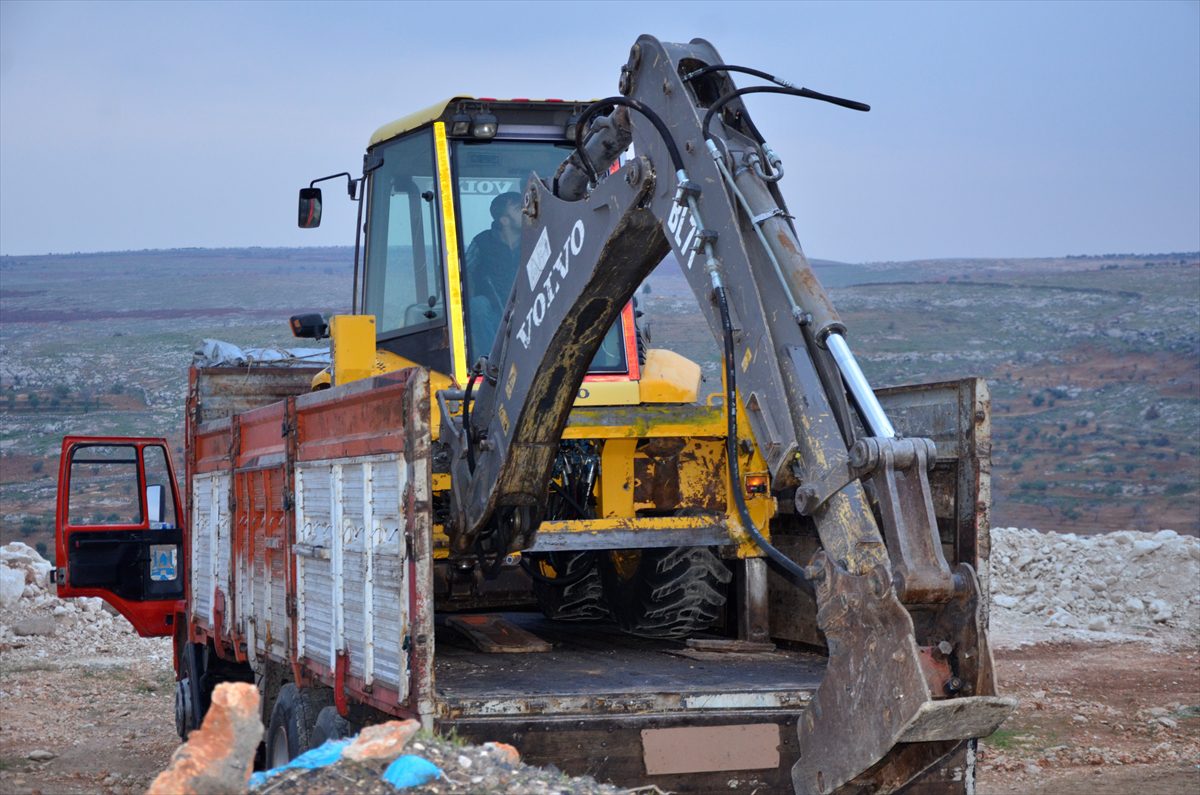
[439, 110]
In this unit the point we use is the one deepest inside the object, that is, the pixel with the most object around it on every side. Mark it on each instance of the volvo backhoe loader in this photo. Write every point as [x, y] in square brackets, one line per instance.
[768, 585]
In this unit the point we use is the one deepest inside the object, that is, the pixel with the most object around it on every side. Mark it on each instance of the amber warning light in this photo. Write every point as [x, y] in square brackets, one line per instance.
[756, 484]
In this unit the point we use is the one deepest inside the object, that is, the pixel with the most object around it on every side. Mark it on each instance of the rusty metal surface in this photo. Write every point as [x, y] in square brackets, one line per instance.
[362, 418]
[899, 470]
[493, 634]
[877, 691]
[221, 392]
[956, 415]
[873, 686]
[638, 532]
[262, 441]
[596, 670]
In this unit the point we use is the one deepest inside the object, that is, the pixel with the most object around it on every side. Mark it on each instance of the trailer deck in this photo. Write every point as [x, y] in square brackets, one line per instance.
[594, 668]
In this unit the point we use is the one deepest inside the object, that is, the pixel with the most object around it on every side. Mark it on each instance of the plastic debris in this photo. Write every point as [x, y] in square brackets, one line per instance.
[411, 771]
[322, 756]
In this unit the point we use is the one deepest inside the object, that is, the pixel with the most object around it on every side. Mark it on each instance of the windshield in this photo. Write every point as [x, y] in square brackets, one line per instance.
[491, 181]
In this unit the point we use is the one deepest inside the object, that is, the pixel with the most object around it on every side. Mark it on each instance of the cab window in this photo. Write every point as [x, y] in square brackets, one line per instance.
[404, 283]
[490, 182]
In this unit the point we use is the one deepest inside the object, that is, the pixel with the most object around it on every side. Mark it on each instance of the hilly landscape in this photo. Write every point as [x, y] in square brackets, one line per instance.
[1093, 362]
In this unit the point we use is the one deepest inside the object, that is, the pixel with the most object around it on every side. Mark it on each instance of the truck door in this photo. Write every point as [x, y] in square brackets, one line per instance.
[118, 528]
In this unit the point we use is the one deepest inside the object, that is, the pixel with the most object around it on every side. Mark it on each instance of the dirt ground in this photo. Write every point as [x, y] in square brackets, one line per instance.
[1094, 719]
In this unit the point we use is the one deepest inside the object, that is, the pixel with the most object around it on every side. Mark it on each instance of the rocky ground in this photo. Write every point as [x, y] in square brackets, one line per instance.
[1097, 636]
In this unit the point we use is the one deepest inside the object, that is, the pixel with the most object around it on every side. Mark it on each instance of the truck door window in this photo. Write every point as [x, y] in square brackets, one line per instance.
[404, 284]
[159, 499]
[104, 486]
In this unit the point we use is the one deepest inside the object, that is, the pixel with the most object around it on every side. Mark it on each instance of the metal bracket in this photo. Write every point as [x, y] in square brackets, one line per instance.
[762, 218]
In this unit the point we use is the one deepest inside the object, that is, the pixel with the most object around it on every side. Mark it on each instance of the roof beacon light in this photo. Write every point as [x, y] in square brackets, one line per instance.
[484, 126]
[460, 124]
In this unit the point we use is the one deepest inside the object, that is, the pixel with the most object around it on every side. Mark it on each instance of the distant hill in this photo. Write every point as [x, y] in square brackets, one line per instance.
[1092, 361]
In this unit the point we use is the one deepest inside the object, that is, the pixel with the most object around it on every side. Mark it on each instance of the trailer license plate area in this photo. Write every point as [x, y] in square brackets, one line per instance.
[709, 749]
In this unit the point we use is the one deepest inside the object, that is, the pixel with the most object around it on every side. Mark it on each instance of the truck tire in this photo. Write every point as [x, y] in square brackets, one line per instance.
[330, 726]
[580, 600]
[671, 592]
[293, 719]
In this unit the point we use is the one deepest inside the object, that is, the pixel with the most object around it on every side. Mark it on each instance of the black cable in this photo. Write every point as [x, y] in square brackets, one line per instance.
[789, 566]
[605, 104]
[725, 67]
[794, 92]
[466, 418]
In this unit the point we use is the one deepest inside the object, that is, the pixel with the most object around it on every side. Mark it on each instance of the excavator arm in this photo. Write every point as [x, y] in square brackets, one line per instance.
[909, 672]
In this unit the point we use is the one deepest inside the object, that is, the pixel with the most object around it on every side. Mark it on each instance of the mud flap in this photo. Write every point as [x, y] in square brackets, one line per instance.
[875, 694]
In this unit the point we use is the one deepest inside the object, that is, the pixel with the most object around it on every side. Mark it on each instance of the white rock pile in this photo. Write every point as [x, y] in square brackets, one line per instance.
[1125, 582]
[36, 625]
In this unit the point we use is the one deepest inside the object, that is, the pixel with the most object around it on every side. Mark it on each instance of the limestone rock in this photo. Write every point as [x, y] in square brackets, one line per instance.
[384, 741]
[12, 585]
[34, 626]
[218, 756]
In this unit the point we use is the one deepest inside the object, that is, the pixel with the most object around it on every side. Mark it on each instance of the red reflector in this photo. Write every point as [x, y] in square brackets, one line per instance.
[552, 100]
[519, 99]
[488, 99]
[756, 484]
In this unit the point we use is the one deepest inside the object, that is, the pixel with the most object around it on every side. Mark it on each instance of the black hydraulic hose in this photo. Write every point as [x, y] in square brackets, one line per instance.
[605, 104]
[789, 566]
[794, 92]
[466, 419]
[727, 67]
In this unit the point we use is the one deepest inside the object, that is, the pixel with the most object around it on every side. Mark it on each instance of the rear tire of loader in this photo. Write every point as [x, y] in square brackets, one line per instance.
[665, 593]
[582, 600]
[293, 719]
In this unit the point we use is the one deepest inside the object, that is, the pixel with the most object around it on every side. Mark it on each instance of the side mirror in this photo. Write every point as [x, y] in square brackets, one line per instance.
[311, 325]
[310, 208]
[156, 504]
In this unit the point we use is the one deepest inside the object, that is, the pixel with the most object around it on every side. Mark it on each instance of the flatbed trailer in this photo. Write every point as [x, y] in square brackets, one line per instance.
[305, 554]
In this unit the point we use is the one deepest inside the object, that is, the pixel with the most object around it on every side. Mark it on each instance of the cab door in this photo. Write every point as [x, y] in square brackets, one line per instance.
[118, 529]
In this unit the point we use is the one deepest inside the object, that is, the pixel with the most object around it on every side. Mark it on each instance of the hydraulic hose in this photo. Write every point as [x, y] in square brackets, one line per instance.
[726, 67]
[608, 102]
[794, 570]
[794, 92]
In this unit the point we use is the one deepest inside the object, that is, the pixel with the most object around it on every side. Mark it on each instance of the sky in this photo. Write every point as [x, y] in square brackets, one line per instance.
[996, 130]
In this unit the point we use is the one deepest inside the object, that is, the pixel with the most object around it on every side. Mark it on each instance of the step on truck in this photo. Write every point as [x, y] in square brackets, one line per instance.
[501, 511]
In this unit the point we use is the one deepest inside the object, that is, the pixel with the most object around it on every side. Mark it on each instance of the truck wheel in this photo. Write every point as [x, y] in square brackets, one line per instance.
[191, 700]
[665, 593]
[330, 726]
[293, 719]
[582, 599]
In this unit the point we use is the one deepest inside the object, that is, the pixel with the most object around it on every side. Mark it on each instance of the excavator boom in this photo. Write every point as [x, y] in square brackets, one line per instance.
[909, 672]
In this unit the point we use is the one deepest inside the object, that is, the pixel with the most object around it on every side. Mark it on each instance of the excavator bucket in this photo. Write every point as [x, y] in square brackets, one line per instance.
[878, 694]
[910, 673]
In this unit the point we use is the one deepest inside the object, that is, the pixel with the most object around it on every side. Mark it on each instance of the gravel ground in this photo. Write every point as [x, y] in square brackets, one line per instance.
[465, 769]
[86, 706]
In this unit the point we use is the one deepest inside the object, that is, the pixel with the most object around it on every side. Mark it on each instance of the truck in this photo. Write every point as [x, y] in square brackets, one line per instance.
[500, 511]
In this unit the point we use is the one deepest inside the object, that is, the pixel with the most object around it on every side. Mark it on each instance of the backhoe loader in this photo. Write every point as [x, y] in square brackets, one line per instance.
[501, 512]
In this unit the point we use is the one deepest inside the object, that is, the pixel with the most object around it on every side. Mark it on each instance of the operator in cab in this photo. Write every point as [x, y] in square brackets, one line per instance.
[492, 261]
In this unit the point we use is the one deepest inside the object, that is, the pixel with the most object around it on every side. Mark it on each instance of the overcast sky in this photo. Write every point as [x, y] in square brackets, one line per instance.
[1014, 129]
